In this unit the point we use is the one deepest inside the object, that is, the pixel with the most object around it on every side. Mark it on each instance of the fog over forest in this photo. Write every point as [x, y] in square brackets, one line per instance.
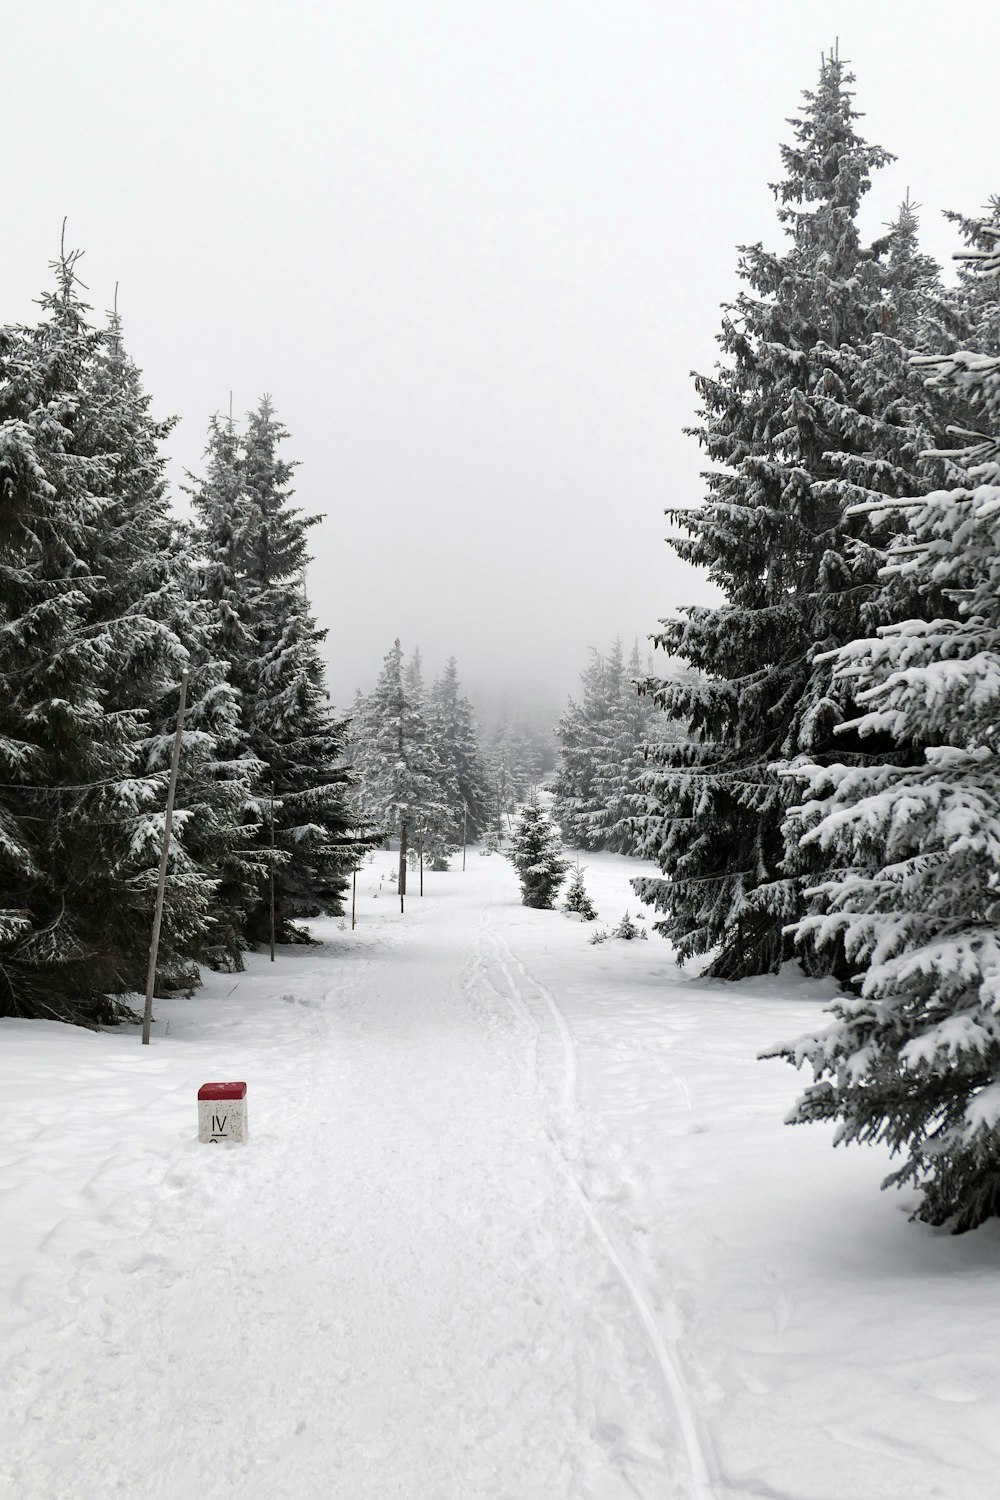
[472, 252]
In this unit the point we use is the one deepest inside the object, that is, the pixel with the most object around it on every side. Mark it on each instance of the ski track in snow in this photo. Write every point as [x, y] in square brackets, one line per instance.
[639, 1294]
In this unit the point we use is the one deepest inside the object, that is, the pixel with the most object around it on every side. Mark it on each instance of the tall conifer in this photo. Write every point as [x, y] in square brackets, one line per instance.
[783, 415]
[394, 758]
[85, 654]
[466, 779]
[911, 852]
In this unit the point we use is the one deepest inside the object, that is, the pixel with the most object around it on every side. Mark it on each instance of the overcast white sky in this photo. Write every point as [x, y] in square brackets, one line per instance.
[473, 250]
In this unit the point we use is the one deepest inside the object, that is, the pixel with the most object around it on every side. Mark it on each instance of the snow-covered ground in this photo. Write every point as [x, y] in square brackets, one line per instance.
[518, 1220]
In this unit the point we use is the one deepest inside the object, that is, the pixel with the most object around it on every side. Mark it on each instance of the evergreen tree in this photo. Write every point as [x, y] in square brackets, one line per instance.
[438, 827]
[912, 852]
[290, 725]
[789, 422]
[253, 547]
[465, 775]
[583, 732]
[632, 730]
[84, 653]
[536, 853]
[413, 681]
[394, 757]
[603, 749]
[628, 930]
[577, 899]
[222, 538]
[148, 566]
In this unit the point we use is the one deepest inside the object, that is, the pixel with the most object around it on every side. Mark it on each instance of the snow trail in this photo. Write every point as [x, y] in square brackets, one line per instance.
[384, 1294]
[471, 1253]
[640, 1296]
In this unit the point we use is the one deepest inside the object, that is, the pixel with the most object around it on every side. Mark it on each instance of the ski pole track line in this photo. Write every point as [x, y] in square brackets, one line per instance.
[667, 1357]
[571, 1063]
[476, 978]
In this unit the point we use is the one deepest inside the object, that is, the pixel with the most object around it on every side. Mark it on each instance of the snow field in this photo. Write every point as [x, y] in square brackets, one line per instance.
[518, 1218]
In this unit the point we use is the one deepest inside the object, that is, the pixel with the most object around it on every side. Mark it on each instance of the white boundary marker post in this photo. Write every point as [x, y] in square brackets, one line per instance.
[222, 1112]
[161, 887]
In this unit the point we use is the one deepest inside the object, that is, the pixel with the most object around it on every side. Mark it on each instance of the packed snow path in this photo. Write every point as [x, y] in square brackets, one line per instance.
[517, 1219]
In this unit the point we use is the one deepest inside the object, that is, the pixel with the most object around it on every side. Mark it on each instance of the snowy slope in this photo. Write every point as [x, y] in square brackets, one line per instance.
[518, 1218]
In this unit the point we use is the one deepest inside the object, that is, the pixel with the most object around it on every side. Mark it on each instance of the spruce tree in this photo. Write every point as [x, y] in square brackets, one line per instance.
[576, 899]
[465, 775]
[912, 852]
[253, 550]
[583, 731]
[222, 540]
[786, 421]
[399, 774]
[149, 569]
[85, 655]
[438, 826]
[888, 443]
[536, 853]
[632, 730]
[290, 725]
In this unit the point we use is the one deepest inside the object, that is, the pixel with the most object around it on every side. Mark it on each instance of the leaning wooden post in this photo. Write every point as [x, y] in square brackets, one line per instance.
[354, 898]
[465, 830]
[161, 886]
[272, 872]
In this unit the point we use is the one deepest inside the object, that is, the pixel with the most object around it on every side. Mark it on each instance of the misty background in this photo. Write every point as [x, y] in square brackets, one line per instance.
[473, 252]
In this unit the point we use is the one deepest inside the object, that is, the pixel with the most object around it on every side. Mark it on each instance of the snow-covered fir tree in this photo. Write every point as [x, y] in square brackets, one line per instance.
[912, 852]
[291, 727]
[536, 854]
[466, 780]
[147, 559]
[438, 828]
[399, 791]
[797, 430]
[576, 898]
[253, 545]
[87, 655]
[621, 758]
[582, 732]
[604, 741]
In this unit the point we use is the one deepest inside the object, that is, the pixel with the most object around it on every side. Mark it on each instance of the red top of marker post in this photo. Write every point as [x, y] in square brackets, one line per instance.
[222, 1091]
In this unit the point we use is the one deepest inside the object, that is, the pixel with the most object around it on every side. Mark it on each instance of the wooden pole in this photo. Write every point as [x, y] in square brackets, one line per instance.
[354, 899]
[465, 830]
[161, 886]
[420, 846]
[272, 872]
[402, 863]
